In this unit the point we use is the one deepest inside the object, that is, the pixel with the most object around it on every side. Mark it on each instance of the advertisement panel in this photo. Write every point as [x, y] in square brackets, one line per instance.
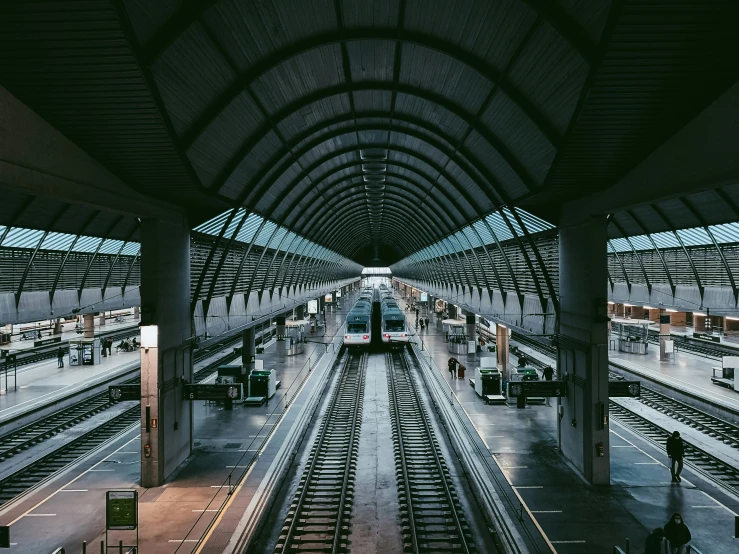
[313, 307]
[329, 298]
[424, 297]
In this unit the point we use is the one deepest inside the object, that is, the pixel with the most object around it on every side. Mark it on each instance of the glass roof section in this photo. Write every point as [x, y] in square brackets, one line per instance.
[246, 227]
[696, 236]
[20, 237]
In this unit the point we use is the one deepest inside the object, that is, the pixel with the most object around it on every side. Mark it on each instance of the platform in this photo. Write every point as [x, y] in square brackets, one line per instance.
[68, 332]
[574, 516]
[227, 446]
[45, 384]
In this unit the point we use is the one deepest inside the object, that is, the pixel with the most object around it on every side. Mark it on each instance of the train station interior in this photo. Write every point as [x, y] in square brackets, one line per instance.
[369, 276]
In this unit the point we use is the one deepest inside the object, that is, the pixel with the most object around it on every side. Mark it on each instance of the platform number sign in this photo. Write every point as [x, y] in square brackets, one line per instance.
[121, 510]
[5, 536]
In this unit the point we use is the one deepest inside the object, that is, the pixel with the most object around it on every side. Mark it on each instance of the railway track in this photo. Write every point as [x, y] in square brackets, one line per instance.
[43, 429]
[319, 516]
[44, 467]
[717, 470]
[35, 433]
[714, 468]
[433, 520]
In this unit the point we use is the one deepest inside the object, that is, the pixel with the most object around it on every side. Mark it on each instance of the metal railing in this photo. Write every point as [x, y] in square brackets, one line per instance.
[664, 548]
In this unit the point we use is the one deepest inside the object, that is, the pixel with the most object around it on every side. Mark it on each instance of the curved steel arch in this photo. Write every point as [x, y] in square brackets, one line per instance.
[447, 48]
[345, 187]
[634, 251]
[441, 171]
[654, 245]
[400, 220]
[467, 118]
[498, 197]
[664, 217]
[431, 135]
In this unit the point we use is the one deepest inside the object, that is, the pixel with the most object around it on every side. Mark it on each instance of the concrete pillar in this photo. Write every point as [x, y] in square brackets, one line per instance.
[57, 326]
[248, 351]
[471, 332]
[281, 342]
[136, 313]
[166, 354]
[583, 347]
[89, 325]
[102, 319]
[502, 334]
[664, 334]
[299, 312]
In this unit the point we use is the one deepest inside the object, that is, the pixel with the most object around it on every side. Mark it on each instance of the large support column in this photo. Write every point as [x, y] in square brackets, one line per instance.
[471, 332]
[89, 322]
[248, 351]
[281, 342]
[664, 334]
[583, 347]
[166, 355]
[102, 319]
[299, 312]
[502, 334]
[136, 313]
[57, 326]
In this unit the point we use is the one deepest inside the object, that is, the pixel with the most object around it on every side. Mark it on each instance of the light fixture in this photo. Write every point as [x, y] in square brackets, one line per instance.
[732, 318]
[149, 336]
[648, 308]
[699, 314]
[611, 303]
[671, 310]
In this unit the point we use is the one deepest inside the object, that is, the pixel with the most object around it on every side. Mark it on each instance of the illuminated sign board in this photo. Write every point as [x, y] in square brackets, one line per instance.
[312, 306]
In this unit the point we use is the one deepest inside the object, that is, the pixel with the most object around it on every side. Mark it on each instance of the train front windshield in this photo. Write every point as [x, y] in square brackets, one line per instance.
[357, 328]
[394, 325]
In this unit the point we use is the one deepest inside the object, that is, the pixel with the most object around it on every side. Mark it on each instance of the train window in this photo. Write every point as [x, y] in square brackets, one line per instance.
[394, 325]
[357, 328]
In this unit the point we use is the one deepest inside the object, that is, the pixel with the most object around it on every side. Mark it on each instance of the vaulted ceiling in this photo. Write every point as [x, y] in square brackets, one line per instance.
[373, 128]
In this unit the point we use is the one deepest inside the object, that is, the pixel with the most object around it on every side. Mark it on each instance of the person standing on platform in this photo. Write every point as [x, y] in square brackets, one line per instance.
[60, 357]
[653, 544]
[452, 365]
[110, 347]
[678, 534]
[548, 373]
[427, 323]
[676, 452]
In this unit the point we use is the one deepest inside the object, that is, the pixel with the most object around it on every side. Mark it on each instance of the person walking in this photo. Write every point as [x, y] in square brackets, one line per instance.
[653, 544]
[676, 452]
[548, 373]
[452, 365]
[60, 357]
[678, 534]
[427, 323]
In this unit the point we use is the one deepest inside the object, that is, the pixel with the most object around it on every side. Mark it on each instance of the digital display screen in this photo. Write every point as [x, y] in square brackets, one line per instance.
[312, 306]
[424, 297]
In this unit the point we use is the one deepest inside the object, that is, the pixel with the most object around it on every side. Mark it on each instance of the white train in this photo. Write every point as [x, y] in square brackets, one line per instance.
[394, 328]
[359, 321]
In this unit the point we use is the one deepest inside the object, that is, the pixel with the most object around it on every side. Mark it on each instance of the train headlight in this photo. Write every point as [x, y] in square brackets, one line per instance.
[387, 335]
[365, 337]
[347, 337]
[404, 335]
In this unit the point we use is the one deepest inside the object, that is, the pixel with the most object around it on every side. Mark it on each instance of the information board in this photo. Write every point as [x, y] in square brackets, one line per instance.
[624, 388]
[119, 393]
[424, 297]
[537, 388]
[121, 510]
[234, 391]
[44, 342]
[312, 306]
[706, 336]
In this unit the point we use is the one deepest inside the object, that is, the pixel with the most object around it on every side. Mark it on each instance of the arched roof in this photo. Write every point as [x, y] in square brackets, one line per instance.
[298, 110]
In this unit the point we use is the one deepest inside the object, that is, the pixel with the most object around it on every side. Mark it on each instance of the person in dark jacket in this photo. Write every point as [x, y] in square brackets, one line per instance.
[653, 544]
[60, 357]
[452, 365]
[678, 534]
[676, 452]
